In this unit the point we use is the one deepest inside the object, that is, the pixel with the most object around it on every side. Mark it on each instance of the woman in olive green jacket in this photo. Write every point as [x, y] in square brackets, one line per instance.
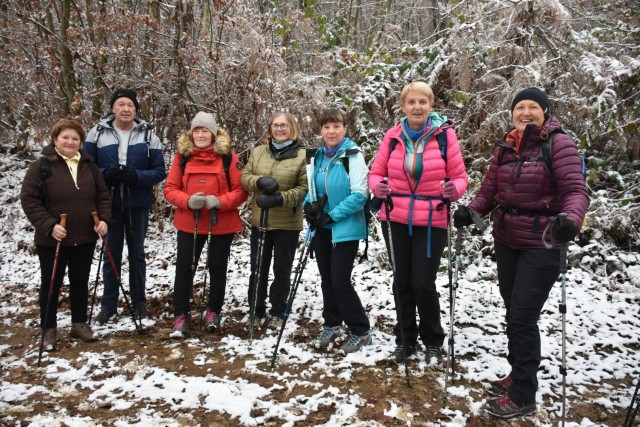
[277, 176]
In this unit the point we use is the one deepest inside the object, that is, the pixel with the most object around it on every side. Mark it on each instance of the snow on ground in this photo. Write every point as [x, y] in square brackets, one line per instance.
[602, 324]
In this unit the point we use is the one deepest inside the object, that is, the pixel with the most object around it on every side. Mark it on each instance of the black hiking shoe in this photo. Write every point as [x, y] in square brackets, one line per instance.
[504, 407]
[104, 316]
[500, 387]
[398, 356]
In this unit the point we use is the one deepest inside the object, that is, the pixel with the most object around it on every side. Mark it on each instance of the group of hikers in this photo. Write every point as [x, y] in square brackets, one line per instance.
[100, 185]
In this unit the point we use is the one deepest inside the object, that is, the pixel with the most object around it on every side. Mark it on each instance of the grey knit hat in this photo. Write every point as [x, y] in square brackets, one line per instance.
[204, 120]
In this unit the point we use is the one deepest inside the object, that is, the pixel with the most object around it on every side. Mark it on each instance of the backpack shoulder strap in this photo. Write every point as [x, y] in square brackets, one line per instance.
[442, 145]
[345, 160]
[45, 172]
[226, 163]
[546, 153]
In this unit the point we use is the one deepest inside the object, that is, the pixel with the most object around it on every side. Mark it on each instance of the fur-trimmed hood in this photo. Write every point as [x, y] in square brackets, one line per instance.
[221, 145]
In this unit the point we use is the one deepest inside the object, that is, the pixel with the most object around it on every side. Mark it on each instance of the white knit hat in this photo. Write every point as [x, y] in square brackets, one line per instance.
[205, 120]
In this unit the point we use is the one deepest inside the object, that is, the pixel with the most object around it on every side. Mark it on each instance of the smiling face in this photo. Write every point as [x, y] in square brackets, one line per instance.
[125, 111]
[202, 137]
[333, 133]
[280, 128]
[68, 142]
[527, 112]
[416, 106]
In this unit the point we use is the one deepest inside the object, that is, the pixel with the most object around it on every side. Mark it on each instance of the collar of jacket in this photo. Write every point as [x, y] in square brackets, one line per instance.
[221, 146]
[288, 152]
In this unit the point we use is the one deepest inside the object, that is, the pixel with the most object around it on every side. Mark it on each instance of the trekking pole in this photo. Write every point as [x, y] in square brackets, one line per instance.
[454, 288]
[392, 259]
[194, 259]
[116, 273]
[297, 278]
[264, 217]
[213, 220]
[63, 223]
[95, 288]
[563, 309]
[631, 412]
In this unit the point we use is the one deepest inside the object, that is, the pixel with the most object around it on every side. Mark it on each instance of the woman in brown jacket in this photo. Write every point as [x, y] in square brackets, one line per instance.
[63, 182]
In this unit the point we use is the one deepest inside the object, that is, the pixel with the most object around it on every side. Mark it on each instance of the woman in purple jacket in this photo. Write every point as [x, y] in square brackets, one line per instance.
[421, 175]
[525, 197]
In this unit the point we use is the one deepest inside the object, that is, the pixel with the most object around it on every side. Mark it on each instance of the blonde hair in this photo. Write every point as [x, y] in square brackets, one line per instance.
[420, 87]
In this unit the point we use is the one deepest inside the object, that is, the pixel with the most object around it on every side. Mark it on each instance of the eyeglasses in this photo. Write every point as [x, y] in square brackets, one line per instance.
[279, 125]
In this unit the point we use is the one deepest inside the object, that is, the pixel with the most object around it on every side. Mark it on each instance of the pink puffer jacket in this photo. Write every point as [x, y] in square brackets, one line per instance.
[430, 185]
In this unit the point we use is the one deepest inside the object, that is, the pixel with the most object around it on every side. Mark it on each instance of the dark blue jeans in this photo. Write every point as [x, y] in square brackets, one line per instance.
[415, 283]
[281, 245]
[341, 301]
[525, 277]
[78, 259]
[219, 250]
[135, 230]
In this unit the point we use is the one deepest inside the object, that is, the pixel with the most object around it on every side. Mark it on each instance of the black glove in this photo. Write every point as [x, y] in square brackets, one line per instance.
[563, 230]
[462, 217]
[321, 220]
[267, 184]
[268, 201]
[129, 176]
[112, 175]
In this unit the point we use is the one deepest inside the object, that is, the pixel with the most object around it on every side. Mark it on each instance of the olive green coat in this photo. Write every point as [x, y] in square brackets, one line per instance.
[290, 172]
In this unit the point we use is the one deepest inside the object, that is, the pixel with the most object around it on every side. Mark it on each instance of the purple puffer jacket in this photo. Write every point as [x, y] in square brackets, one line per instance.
[524, 195]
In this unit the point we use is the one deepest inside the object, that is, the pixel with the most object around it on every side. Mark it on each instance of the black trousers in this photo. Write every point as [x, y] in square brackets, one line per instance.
[78, 259]
[341, 301]
[219, 251]
[281, 246]
[525, 277]
[415, 282]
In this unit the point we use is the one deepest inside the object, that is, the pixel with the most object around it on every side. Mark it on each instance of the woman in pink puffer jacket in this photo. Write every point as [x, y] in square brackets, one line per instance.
[420, 178]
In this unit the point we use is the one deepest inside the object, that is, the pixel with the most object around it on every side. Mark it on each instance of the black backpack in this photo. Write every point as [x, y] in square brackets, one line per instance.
[45, 172]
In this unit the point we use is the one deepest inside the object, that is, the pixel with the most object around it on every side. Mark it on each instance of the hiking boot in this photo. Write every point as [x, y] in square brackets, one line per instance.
[83, 332]
[398, 356]
[257, 322]
[50, 339]
[500, 387]
[275, 323]
[328, 334]
[356, 342]
[433, 354]
[141, 311]
[211, 320]
[180, 327]
[104, 316]
[504, 407]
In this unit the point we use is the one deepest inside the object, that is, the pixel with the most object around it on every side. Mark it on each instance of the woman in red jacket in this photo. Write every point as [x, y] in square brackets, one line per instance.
[421, 175]
[198, 186]
[75, 188]
[524, 195]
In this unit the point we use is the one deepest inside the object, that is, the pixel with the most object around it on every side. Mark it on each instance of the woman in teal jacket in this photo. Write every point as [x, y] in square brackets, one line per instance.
[338, 191]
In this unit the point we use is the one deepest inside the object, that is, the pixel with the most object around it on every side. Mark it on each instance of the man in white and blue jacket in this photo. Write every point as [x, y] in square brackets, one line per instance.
[129, 155]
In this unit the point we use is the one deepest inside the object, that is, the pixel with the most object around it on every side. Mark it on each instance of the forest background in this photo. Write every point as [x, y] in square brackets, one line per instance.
[244, 59]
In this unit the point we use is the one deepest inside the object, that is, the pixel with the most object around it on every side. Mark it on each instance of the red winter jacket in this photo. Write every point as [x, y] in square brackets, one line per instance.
[204, 172]
[433, 175]
[524, 195]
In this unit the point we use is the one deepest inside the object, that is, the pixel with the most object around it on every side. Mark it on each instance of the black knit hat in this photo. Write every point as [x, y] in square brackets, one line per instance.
[533, 94]
[125, 93]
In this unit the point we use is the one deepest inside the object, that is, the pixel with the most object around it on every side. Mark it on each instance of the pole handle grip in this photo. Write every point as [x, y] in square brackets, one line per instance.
[63, 220]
